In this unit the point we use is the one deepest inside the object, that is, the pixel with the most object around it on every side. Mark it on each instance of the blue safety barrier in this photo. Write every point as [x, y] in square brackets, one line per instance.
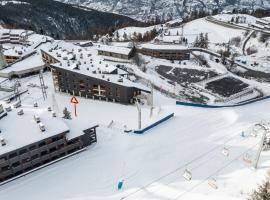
[141, 131]
[217, 106]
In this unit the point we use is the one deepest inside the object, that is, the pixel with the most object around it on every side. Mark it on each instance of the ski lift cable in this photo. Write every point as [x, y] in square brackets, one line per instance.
[188, 163]
[178, 168]
[216, 172]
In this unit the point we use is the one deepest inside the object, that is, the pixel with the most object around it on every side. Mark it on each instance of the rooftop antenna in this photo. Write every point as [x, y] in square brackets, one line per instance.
[42, 84]
[16, 91]
[55, 105]
[139, 114]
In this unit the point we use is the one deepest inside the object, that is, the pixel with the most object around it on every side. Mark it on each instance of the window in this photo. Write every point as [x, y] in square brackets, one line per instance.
[41, 144]
[43, 153]
[13, 155]
[22, 151]
[5, 168]
[53, 149]
[117, 92]
[16, 164]
[34, 157]
[32, 147]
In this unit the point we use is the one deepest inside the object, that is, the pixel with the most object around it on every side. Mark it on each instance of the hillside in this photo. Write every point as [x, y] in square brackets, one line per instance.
[57, 19]
[145, 9]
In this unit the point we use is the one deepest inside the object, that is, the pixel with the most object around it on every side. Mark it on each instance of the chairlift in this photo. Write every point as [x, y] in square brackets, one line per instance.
[253, 133]
[225, 152]
[2, 141]
[20, 112]
[212, 182]
[53, 114]
[8, 109]
[247, 158]
[187, 175]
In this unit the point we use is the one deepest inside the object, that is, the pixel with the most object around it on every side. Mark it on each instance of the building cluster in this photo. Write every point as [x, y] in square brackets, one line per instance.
[43, 138]
[15, 36]
[81, 73]
[20, 52]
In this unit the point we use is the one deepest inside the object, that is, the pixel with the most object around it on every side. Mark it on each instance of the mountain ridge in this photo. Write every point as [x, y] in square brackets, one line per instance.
[166, 9]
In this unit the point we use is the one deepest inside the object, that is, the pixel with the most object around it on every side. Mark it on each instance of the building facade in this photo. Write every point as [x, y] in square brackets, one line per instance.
[90, 87]
[169, 54]
[34, 155]
[116, 52]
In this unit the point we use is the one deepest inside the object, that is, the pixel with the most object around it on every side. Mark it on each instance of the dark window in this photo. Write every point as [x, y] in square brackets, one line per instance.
[22, 151]
[53, 149]
[16, 164]
[32, 147]
[43, 153]
[34, 156]
[41, 144]
[5, 168]
[13, 155]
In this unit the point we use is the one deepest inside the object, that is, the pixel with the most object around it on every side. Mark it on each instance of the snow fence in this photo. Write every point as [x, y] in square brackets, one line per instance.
[217, 106]
[141, 131]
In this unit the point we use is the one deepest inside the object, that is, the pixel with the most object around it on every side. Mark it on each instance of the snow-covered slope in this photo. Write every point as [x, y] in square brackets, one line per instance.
[143, 9]
[152, 164]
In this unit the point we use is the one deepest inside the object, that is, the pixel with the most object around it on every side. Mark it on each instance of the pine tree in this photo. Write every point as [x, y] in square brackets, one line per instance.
[196, 42]
[201, 40]
[263, 192]
[125, 36]
[206, 41]
[117, 35]
[66, 113]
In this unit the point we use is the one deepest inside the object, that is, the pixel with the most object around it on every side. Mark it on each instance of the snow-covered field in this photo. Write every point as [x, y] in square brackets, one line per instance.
[152, 164]
[216, 34]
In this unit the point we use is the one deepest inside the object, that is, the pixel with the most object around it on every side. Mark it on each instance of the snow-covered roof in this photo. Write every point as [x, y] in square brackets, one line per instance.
[263, 21]
[114, 49]
[82, 61]
[22, 130]
[18, 51]
[76, 124]
[31, 62]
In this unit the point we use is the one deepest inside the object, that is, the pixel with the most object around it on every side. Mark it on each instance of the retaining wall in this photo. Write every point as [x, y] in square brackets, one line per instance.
[224, 106]
[141, 131]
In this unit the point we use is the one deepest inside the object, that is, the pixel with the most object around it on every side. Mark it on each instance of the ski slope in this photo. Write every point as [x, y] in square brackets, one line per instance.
[152, 164]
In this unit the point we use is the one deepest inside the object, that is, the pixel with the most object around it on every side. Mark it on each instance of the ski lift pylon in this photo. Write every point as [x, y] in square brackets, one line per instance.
[247, 158]
[187, 175]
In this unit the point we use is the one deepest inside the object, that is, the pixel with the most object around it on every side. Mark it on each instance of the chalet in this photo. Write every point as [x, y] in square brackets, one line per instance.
[85, 44]
[169, 52]
[17, 53]
[38, 143]
[2, 59]
[262, 22]
[14, 36]
[116, 52]
[77, 72]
